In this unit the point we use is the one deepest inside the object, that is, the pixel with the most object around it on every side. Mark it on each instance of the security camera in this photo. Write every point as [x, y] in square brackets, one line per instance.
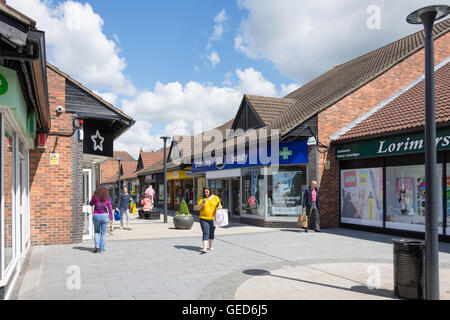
[59, 109]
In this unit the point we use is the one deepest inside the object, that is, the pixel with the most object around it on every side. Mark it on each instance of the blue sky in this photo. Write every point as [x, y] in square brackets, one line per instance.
[182, 66]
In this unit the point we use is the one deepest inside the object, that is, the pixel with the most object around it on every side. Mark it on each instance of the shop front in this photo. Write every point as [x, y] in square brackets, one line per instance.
[180, 186]
[382, 183]
[260, 193]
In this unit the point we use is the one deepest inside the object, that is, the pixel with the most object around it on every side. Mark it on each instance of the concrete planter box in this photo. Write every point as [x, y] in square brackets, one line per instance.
[183, 222]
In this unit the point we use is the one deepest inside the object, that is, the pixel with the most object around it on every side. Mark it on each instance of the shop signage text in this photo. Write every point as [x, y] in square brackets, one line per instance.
[295, 152]
[413, 143]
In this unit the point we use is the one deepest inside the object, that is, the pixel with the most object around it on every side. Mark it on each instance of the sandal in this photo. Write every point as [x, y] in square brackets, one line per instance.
[211, 249]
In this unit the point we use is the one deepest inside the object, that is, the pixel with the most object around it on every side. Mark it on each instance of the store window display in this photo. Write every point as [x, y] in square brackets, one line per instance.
[253, 193]
[362, 196]
[405, 196]
[200, 184]
[447, 193]
[285, 191]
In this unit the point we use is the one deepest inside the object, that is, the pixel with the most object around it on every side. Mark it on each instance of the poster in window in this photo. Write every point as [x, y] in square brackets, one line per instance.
[362, 196]
[286, 194]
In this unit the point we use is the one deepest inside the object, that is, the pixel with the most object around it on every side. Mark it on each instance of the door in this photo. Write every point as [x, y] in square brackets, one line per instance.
[87, 209]
[23, 204]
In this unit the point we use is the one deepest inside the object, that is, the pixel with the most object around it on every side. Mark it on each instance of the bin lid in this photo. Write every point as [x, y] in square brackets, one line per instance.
[408, 242]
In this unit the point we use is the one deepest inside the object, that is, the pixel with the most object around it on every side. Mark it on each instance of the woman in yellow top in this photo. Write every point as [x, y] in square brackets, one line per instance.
[207, 206]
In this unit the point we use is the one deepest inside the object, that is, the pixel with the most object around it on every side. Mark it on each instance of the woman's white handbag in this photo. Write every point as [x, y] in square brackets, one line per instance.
[221, 218]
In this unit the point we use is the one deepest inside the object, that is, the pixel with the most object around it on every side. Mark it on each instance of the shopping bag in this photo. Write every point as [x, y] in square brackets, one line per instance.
[116, 215]
[303, 221]
[221, 218]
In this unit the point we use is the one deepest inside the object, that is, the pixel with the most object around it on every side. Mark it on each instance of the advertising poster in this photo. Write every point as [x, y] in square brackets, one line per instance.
[405, 187]
[286, 193]
[362, 196]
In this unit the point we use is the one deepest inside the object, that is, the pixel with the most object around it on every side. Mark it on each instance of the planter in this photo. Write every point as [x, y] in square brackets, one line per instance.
[183, 222]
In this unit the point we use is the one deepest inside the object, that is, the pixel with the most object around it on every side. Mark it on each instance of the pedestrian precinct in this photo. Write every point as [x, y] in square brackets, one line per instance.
[208, 205]
[123, 205]
[311, 205]
[103, 214]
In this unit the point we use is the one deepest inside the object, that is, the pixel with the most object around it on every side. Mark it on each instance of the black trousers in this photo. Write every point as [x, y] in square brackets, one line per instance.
[313, 217]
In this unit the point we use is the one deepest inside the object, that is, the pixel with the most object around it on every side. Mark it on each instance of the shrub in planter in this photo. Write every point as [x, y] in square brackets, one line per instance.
[183, 219]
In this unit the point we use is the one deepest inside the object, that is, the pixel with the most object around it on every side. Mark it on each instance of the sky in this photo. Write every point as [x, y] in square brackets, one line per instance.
[183, 66]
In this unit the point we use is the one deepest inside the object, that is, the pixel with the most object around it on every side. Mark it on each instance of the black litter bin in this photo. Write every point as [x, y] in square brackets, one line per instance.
[409, 269]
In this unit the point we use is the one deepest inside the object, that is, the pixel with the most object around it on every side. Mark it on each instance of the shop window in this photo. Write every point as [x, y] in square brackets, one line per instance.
[221, 189]
[447, 189]
[200, 183]
[8, 186]
[188, 192]
[253, 193]
[178, 192]
[285, 191]
[405, 198]
[362, 196]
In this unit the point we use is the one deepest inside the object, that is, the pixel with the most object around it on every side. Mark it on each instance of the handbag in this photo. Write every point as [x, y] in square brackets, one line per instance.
[303, 220]
[221, 218]
[116, 215]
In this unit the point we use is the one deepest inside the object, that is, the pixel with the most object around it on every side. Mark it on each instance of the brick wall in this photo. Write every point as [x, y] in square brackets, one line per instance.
[353, 106]
[52, 186]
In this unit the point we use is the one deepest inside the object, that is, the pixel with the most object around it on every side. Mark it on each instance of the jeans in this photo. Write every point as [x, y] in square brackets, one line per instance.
[126, 214]
[100, 225]
[208, 229]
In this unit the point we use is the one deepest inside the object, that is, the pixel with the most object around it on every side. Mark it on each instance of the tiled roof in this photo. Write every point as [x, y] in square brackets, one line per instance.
[129, 170]
[149, 158]
[267, 107]
[337, 83]
[123, 156]
[406, 111]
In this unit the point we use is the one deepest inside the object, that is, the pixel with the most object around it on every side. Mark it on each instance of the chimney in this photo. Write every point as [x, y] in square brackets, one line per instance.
[141, 147]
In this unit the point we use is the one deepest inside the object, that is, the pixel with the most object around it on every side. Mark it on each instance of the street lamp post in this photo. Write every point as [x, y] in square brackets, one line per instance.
[165, 179]
[118, 176]
[433, 203]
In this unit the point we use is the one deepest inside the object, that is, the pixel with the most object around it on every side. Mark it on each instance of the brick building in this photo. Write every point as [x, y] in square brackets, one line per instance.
[319, 110]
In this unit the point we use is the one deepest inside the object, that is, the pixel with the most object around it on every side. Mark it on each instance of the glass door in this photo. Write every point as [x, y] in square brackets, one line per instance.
[235, 196]
[23, 199]
[87, 209]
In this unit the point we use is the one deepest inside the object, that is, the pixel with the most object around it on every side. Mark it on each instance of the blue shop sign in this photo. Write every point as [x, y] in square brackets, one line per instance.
[295, 152]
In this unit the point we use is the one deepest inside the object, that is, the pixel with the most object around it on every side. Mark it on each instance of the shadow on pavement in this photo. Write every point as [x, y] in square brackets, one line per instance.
[358, 289]
[191, 248]
[84, 249]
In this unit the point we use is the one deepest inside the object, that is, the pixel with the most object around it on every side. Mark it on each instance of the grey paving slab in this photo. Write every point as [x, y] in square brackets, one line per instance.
[173, 268]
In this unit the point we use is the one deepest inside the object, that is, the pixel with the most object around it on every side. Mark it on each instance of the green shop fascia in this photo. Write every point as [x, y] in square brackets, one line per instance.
[382, 183]
[14, 109]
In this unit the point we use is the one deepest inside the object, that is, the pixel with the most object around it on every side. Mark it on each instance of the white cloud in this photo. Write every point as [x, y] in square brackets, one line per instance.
[218, 29]
[286, 89]
[77, 45]
[214, 59]
[304, 39]
[253, 82]
[136, 137]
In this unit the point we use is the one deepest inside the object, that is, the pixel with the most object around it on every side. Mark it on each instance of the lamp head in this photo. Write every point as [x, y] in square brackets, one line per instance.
[441, 12]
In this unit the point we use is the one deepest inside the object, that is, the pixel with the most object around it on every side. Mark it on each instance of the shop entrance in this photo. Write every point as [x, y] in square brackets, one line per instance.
[229, 192]
[235, 196]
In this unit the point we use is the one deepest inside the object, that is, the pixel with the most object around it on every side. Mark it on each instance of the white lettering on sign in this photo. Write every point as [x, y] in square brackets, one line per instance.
[402, 146]
[350, 179]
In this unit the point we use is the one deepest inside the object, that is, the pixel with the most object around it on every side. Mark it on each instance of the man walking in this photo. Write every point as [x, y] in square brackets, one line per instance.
[123, 206]
[311, 202]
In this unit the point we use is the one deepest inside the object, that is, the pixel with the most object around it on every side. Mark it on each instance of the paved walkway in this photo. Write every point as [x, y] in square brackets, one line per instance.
[249, 263]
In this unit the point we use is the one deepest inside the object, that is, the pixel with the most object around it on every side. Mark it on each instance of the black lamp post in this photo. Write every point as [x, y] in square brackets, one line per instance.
[427, 16]
[165, 179]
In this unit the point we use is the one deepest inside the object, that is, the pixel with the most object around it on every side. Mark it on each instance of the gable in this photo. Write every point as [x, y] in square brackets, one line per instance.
[247, 117]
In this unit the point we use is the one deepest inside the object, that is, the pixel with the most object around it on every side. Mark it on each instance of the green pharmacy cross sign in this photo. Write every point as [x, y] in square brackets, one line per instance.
[286, 153]
[3, 85]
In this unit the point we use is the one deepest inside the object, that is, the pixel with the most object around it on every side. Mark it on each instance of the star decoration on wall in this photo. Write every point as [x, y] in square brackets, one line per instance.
[98, 141]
